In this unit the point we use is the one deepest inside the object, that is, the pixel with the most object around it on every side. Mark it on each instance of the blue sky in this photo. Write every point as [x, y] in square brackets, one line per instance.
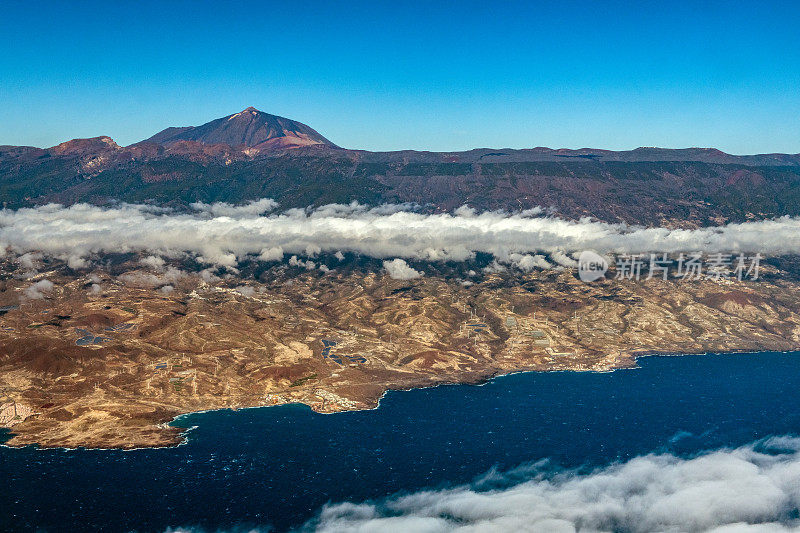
[410, 75]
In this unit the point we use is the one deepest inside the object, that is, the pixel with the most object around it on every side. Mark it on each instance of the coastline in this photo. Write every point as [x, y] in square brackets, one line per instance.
[182, 438]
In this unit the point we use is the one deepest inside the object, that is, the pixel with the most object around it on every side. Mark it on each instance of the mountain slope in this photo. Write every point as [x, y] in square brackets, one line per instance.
[252, 155]
[251, 128]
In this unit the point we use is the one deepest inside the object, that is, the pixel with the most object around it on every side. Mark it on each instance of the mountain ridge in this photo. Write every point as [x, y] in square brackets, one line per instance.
[252, 133]
[250, 128]
[688, 187]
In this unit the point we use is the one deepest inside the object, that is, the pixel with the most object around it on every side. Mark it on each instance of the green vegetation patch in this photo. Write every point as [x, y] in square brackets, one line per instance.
[301, 381]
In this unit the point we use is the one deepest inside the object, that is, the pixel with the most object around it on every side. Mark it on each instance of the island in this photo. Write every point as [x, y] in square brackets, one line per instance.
[107, 358]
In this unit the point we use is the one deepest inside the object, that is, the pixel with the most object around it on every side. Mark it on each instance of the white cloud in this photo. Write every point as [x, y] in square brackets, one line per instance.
[29, 261]
[216, 256]
[535, 211]
[563, 259]
[246, 290]
[76, 262]
[465, 211]
[494, 268]
[152, 261]
[746, 489]
[208, 276]
[308, 265]
[250, 209]
[38, 290]
[388, 232]
[529, 262]
[399, 269]
[145, 279]
[271, 254]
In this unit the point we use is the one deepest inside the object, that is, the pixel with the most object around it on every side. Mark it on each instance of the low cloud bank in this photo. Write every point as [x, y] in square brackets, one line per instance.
[748, 489]
[221, 234]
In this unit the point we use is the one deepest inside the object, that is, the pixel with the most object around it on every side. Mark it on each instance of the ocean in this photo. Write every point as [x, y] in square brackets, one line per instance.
[276, 467]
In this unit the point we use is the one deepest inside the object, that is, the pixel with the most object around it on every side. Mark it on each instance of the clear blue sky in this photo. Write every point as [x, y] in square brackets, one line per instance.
[396, 75]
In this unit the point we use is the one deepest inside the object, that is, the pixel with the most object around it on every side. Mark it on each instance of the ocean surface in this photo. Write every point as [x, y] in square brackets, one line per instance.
[278, 466]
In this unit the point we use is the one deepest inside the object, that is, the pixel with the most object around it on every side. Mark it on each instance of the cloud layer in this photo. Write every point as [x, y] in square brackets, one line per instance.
[222, 234]
[749, 489]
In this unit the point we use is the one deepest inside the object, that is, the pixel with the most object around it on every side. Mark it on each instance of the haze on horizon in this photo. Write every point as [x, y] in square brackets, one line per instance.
[449, 77]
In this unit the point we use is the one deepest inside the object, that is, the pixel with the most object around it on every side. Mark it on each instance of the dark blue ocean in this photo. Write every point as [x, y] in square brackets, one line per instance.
[277, 466]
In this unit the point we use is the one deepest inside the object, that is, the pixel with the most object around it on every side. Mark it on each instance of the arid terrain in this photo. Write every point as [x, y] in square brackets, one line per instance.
[103, 344]
[108, 358]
